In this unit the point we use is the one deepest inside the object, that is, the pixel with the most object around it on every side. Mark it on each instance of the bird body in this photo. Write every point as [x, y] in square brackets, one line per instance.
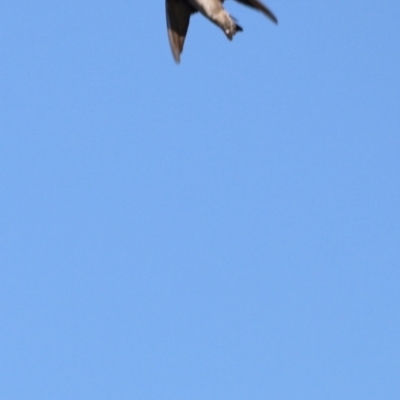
[180, 11]
[213, 10]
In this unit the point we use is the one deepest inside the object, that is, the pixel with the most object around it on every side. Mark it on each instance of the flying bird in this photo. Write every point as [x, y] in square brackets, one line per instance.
[180, 11]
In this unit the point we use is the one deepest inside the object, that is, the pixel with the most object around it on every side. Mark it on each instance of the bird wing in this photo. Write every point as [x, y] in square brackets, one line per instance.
[261, 7]
[178, 17]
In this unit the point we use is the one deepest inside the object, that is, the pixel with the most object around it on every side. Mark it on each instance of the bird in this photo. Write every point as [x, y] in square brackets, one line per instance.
[179, 12]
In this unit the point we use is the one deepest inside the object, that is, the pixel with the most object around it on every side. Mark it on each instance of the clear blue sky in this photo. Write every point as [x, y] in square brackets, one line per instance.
[228, 228]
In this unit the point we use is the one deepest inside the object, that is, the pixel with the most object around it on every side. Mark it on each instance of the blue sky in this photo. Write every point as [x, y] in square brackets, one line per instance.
[228, 228]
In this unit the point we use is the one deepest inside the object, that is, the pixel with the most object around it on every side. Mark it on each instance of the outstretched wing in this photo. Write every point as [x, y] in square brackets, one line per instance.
[261, 7]
[178, 17]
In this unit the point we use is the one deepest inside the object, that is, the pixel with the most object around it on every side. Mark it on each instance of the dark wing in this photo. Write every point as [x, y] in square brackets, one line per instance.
[178, 17]
[261, 7]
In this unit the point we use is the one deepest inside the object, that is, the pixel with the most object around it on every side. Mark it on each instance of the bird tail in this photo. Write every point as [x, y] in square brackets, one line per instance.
[229, 25]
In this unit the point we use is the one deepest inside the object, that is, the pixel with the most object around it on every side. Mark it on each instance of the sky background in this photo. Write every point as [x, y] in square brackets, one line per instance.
[228, 228]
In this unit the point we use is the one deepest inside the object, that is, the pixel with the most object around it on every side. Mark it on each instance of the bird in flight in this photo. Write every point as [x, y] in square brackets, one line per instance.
[179, 12]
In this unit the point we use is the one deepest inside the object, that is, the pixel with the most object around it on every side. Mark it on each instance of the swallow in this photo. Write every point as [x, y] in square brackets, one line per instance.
[179, 13]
